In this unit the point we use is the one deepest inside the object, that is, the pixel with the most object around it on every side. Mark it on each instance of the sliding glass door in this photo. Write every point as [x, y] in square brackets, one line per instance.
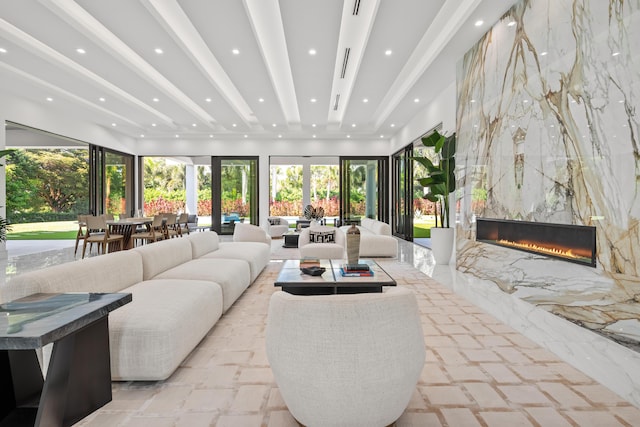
[401, 193]
[234, 192]
[363, 188]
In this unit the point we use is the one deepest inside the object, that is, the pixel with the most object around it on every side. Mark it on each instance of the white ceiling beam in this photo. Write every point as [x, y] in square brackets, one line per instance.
[266, 21]
[172, 17]
[443, 28]
[354, 34]
[54, 57]
[75, 15]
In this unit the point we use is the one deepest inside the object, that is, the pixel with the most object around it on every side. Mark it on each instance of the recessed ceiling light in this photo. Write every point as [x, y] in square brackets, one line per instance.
[194, 124]
[113, 124]
[313, 125]
[246, 136]
[156, 100]
[473, 100]
[348, 136]
[208, 99]
[102, 99]
[279, 136]
[388, 52]
[381, 136]
[153, 124]
[81, 51]
[479, 23]
[615, 54]
[525, 101]
[365, 100]
[621, 101]
[312, 52]
[273, 124]
[543, 53]
[210, 136]
[49, 99]
[353, 125]
[511, 24]
[416, 100]
[313, 100]
[142, 135]
[235, 52]
[177, 136]
[3, 50]
[234, 125]
[313, 135]
[393, 125]
[260, 99]
[158, 51]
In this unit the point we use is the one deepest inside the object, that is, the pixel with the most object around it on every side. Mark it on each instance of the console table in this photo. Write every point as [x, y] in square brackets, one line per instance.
[78, 379]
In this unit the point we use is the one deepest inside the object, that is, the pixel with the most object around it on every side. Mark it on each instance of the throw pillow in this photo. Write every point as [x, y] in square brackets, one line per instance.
[316, 236]
[274, 221]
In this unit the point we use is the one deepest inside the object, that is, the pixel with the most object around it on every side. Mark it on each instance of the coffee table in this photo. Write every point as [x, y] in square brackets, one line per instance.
[78, 378]
[292, 280]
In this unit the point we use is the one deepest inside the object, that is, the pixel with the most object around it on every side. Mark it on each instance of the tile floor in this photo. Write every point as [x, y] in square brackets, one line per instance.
[478, 370]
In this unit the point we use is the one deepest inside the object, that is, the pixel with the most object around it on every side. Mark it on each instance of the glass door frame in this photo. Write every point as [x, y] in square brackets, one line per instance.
[216, 190]
[97, 178]
[383, 186]
[402, 219]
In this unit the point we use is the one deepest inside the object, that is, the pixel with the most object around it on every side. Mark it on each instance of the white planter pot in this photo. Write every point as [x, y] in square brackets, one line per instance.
[442, 244]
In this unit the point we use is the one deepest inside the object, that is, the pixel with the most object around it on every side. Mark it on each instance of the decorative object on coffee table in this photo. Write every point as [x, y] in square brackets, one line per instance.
[353, 244]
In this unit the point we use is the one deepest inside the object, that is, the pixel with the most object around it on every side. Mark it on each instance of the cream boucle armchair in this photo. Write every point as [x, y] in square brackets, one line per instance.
[346, 360]
[276, 226]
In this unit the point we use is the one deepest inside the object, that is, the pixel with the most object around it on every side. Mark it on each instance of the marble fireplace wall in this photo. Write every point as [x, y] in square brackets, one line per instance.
[547, 123]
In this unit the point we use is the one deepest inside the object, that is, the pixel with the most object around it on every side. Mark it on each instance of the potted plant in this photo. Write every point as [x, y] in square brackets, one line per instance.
[440, 182]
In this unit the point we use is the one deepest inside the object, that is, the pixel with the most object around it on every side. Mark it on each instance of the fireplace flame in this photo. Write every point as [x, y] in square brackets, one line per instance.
[566, 253]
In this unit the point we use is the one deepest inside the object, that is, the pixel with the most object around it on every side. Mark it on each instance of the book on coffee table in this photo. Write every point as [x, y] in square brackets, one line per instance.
[356, 267]
[355, 273]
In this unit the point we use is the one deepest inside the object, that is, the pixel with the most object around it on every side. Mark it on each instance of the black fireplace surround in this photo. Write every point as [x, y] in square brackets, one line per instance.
[573, 243]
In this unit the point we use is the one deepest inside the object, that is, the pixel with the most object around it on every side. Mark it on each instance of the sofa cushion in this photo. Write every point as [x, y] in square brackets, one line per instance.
[106, 273]
[257, 255]
[203, 243]
[377, 227]
[153, 334]
[233, 275]
[161, 256]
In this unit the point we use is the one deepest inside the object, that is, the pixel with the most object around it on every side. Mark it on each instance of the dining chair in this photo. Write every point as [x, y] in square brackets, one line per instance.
[82, 232]
[103, 238]
[153, 233]
[183, 224]
[170, 229]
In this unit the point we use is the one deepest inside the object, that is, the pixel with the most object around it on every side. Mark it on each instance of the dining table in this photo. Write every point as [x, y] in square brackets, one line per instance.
[126, 227]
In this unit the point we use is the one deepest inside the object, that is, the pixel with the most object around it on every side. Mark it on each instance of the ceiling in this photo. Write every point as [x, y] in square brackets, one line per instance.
[238, 68]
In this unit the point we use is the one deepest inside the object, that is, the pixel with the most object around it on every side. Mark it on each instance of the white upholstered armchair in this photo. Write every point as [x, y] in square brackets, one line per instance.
[276, 226]
[323, 242]
[346, 360]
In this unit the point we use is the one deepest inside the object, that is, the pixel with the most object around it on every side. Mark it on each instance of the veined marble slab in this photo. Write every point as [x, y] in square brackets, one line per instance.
[548, 131]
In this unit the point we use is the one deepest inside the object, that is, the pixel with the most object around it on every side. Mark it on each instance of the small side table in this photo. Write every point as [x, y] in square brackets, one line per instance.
[290, 239]
[79, 376]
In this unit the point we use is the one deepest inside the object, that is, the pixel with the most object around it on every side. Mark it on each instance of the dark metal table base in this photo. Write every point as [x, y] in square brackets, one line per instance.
[331, 290]
[290, 240]
[78, 380]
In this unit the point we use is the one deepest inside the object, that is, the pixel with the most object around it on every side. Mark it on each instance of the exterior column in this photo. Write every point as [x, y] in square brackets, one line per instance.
[306, 184]
[371, 198]
[3, 187]
[191, 189]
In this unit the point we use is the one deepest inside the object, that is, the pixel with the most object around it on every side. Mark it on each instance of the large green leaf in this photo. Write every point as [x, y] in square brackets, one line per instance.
[449, 147]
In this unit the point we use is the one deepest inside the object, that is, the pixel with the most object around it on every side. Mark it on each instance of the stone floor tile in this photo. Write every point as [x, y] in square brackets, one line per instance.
[138, 421]
[445, 395]
[523, 394]
[168, 399]
[104, 419]
[490, 341]
[460, 417]
[630, 414]
[239, 421]
[569, 373]
[439, 341]
[209, 399]
[452, 329]
[485, 396]
[548, 417]
[512, 355]
[230, 357]
[275, 399]
[501, 373]
[563, 395]
[505, 419]
[256, 375]
[534, 372]
[282, 419]
[481, 355]
[450, 356]
[414, 419]
[466, 341]
[466, 373]
[416, 402]
[220, 377]
[250, 397]
[598, 394]
[433, 374]
[192, 419]
[594, 419]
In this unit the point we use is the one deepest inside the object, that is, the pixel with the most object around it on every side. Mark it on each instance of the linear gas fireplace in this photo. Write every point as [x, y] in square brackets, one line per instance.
[574, 243]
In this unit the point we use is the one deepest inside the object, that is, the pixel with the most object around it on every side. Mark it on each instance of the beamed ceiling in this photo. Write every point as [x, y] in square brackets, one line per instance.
[266, 69]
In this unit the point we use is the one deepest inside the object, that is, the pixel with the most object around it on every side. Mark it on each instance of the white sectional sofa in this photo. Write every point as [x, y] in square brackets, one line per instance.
[180, 288]
[375, 239]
